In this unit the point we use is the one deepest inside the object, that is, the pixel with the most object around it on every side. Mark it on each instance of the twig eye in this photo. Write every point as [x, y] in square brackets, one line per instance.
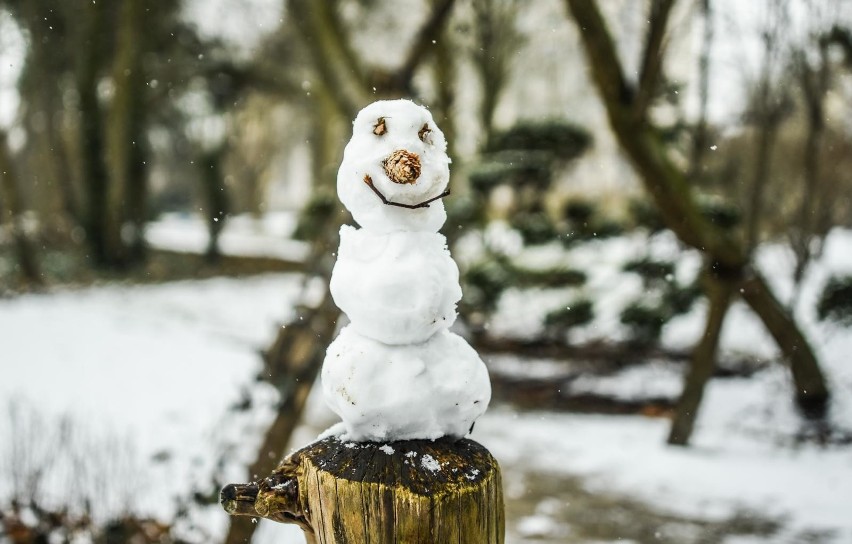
[424, 132]
[379, 129]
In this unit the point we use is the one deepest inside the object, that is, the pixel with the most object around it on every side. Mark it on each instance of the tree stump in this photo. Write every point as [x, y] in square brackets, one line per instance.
[412, 491]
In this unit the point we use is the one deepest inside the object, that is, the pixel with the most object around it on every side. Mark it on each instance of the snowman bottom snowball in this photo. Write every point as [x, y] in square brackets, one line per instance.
[419, 391]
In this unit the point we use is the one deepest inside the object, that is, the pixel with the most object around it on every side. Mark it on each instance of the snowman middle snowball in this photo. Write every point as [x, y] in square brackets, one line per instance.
[396, 372]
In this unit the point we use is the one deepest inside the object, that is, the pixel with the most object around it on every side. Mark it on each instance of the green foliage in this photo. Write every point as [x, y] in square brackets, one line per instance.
[649, 269]
[514, 168]
[721, 214]
[565, 141]
[485, 282]
[646, 319]
[645, 214]
[315, 214]
[608, 229]
[679, 299]
[535, 228]
[559, 277]
[584, 223]
[835, 302]
[465, 210]
[579, 211]
[578, 313]
[645, 322]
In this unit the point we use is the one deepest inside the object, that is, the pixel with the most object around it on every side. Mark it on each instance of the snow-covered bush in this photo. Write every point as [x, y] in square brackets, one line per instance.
[835, 302]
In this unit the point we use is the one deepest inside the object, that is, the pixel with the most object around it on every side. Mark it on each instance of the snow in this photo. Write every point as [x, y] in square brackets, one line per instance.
[12, 55]
[386, 393]
[537, 526]
[365, 154]
[242, 235]
[430, 463]
[725, 472]
[387, 449]
[155, 368]
[149, 372]
[396, 373]
[397, 288]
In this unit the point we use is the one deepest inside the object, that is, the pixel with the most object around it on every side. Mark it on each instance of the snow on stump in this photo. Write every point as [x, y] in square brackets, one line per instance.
[411, 491]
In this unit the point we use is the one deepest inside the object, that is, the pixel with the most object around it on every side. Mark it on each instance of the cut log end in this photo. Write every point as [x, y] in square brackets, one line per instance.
[409, 491]
[239, 499]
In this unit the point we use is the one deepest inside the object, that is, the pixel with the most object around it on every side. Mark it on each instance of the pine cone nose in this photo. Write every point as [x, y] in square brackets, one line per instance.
[402, 166]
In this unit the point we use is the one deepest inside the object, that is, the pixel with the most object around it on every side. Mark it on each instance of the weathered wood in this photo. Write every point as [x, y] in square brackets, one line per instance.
[413, 491]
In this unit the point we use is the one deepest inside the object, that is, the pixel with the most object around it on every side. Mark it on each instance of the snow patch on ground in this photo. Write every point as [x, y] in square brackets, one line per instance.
[242, 236]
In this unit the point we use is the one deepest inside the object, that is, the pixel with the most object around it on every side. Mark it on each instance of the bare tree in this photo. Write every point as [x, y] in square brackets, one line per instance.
[126, 136]
[11, 196]
[496, 43]
[728, 262]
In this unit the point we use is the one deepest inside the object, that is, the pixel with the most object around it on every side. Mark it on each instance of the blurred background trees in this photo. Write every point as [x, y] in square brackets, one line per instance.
[722, 125]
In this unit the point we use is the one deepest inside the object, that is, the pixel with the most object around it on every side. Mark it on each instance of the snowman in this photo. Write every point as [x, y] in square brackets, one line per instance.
[396, 372]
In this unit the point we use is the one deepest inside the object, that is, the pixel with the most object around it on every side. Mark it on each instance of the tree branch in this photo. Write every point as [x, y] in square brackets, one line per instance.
[334, 60]
[664, 181]
[652, 57]
[603, 58]
[428, 32]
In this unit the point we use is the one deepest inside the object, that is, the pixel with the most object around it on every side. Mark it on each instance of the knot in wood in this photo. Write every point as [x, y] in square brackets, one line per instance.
[402, 166]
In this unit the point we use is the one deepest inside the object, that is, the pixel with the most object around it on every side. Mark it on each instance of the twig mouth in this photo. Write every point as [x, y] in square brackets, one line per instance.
[425, 204]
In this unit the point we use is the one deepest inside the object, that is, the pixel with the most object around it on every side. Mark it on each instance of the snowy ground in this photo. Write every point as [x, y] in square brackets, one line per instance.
[150, 371]
[243, 235]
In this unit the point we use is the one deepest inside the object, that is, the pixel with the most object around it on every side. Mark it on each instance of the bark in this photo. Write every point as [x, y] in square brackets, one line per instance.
[767, 107]
[497, 41]
[92, 166]
[424, 42]
[10, 192]
[766, 135]
[340, 494]
[699, 140]
[332, 56]
[815, 84]
[128, 152]
[670, 190]
[216, 199]
[703, 362]
[41, 90]
[652, 57]
[666, 184]
[812, 394]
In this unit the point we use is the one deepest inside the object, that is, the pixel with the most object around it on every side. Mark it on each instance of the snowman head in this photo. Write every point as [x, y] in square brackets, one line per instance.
[395, 169]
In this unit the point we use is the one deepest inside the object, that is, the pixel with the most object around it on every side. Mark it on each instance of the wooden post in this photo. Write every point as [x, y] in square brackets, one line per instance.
[412, 491]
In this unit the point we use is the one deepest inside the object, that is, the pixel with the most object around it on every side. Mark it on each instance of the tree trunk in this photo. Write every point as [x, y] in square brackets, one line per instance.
[703, 362]
[811, 391]
[9, 189]
[127, 139]
[671, 192]
[815, 84]
[699, 138]
[93, 167]
[216, 198]
[413, 491]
